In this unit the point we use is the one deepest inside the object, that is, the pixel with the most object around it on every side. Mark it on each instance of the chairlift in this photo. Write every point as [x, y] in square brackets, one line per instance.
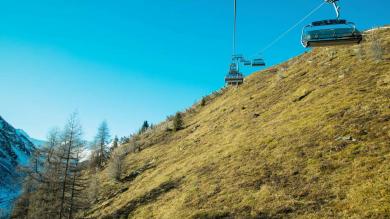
[330, 32]
[238, 57]
[342, 32]
[247, 62]
[258, 62]
[234, 77]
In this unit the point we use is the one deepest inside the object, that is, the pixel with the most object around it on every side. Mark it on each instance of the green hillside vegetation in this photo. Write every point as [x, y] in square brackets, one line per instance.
[309, 138]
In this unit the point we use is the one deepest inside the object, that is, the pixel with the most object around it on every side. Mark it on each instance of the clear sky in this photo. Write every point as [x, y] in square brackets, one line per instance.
[128, 61]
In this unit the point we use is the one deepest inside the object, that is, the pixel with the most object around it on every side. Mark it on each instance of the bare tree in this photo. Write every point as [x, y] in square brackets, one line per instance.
[53, 186]
[41, 184]
[53, 140]
[101, 141]
[70, 145]
[93, 189]
[115, 166]
[75, 187]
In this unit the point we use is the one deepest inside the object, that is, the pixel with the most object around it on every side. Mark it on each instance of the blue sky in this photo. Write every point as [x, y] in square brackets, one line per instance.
[128, 61]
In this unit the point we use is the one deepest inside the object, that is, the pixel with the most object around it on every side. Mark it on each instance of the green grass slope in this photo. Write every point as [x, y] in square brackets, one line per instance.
[307, 139]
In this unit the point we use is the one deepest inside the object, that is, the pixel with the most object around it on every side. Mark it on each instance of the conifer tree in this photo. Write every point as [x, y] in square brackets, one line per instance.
[115, 143]
[144, 127]
[203, 101]
[178, 122]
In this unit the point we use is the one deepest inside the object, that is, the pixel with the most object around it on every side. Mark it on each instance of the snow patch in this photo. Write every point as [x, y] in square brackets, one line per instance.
[85, 154]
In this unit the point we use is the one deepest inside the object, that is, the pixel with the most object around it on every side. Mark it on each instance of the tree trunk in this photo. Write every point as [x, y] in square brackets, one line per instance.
[65, 176]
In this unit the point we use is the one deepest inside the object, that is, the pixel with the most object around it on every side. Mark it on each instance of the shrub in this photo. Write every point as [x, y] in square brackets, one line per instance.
[93, 189]
[360, 52]
[115, 166]
[203, 101]
[376, 47]
[177, 122]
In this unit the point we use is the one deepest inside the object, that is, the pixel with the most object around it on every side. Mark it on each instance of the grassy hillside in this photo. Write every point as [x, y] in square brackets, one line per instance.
[307, 139]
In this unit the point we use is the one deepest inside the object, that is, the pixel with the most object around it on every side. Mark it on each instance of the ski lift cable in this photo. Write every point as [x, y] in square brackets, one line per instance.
[235, 27]
[291, 28]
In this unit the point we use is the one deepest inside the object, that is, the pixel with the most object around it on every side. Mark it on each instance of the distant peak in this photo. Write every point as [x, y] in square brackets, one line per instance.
[22, 132]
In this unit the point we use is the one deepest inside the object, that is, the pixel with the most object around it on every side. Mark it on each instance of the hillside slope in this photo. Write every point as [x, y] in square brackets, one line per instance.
[15, 150]
[312, 141]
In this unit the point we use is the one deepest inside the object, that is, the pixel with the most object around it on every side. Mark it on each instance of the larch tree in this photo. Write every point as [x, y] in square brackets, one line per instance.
[51, 171]
[53, 187]
[102, 139]
[41, 184]
[70, 148]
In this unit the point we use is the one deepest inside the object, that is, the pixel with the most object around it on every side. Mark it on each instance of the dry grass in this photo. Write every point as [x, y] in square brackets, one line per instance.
[312, 144]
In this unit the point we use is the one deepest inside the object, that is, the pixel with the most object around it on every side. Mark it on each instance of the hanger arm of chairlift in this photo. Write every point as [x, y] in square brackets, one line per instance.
[336, 7]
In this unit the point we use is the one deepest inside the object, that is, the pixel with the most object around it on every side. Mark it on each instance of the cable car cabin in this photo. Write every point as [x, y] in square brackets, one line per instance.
[234, 77]
[258, 62]
[330, 33]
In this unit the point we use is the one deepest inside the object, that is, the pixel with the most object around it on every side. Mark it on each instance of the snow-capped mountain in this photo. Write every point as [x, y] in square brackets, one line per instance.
[15, 150]
[37, 143]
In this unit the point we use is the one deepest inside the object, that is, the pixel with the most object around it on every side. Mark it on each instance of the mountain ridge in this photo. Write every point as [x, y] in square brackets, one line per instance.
[15, 150]
[38, 143]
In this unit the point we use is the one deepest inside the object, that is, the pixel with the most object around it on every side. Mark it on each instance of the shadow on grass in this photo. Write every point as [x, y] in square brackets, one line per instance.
[147, 198]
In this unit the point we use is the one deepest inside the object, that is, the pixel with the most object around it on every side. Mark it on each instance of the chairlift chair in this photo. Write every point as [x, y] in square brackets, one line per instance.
[258, 62]
[247, 62]
[234, 77]
[239, 58]
[336, 32]
[330, 32]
